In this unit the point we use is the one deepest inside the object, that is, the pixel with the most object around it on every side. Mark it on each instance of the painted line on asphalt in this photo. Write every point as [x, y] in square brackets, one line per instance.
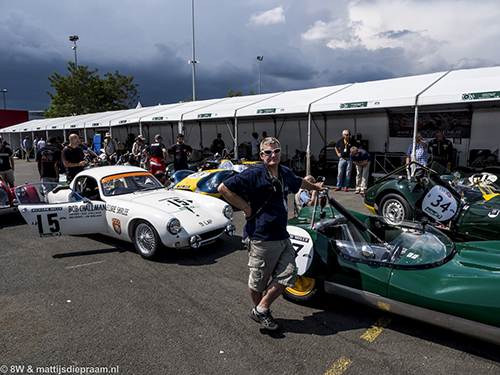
[343, 363]
[339, 367]
[84, 265]
[376, 329]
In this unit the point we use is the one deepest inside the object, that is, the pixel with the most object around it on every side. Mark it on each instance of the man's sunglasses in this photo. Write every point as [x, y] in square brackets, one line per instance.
[269, 152]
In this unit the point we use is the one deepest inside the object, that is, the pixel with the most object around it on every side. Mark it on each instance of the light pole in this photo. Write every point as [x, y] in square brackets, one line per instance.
[260, 58]
[3, 92]
[193, 61]
[74, 38]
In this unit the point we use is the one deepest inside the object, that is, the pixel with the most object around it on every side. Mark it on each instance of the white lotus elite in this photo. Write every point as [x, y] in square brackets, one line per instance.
[126, 203]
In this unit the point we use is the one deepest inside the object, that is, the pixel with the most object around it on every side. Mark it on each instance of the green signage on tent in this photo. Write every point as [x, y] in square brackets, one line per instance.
[157, 118]
[481, 95]
[353, 105]
[95, 124]
[204, 115]
[268, 110]
[72, 126]
[54, 127]
[122, 122]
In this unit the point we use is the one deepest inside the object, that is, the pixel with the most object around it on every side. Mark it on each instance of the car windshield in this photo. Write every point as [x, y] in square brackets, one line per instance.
[470, 190]
[408, 245]
[45, 192]
[126, 183]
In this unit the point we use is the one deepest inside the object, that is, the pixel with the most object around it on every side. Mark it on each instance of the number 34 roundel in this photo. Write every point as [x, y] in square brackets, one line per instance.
[439, 204]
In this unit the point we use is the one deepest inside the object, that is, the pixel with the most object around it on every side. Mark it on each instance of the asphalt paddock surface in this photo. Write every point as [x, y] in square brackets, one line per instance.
[90, 303]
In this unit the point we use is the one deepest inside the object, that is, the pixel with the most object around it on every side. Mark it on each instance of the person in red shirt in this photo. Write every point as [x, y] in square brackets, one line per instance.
[157, 153]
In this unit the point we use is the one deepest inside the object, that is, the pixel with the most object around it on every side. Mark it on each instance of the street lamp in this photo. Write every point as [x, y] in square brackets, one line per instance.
[74, 38]
[3, 92]
[260, 58]
[193, 61]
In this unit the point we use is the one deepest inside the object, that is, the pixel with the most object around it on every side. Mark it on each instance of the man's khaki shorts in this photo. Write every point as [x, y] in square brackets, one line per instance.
[268, 259]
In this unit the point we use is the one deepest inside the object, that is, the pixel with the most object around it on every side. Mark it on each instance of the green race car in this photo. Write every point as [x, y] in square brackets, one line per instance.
[411, 269]
[468, 207]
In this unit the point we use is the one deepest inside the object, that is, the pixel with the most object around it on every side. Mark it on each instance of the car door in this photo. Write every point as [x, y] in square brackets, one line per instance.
[55, 210]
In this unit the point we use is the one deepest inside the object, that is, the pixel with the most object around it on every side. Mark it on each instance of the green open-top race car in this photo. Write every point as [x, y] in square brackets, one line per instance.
[411, 268]
[468, 207]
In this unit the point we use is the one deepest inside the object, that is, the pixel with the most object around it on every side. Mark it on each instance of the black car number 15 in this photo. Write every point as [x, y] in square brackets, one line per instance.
[52, 222]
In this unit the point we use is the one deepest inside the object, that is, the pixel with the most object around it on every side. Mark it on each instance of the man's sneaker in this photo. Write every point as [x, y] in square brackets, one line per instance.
[356, 192]
[266, 319]
[337, 189]
[346, 189]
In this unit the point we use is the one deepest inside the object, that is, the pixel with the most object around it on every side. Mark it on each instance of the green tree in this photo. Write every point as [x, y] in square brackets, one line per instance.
[231, 93]
[83, 91]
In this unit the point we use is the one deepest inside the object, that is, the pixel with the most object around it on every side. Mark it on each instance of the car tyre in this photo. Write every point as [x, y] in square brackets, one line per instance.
[305, 290]
[394, 208]
[146, 240]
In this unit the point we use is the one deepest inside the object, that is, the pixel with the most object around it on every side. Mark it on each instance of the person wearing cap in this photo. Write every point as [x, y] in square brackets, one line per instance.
[48, 159]
[180, 153]
[110, 147]
[157, 153]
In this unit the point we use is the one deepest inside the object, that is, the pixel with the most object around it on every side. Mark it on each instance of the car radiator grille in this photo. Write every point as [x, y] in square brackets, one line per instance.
[212, 234]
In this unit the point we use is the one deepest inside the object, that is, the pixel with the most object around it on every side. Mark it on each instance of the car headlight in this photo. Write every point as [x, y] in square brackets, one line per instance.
[213, 184]
[174, 226]
[228, 212]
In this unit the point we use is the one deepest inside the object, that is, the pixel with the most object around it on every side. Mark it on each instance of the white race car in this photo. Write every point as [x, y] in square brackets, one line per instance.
[127, 203]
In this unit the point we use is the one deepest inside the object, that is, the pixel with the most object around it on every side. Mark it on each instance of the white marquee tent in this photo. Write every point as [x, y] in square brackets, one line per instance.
[302, 119]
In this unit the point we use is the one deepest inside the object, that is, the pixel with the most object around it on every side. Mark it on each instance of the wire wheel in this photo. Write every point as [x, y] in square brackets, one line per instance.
[394, 209]
[146, 240]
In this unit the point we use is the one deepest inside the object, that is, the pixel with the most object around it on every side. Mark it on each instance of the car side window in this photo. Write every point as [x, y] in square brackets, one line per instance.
[87, 187]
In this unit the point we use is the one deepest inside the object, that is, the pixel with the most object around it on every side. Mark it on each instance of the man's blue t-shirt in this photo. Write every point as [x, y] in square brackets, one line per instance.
[363, 155]
[256, 186]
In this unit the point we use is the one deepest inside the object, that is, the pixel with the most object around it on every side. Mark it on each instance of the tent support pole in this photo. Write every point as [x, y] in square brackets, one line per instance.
[308, 147]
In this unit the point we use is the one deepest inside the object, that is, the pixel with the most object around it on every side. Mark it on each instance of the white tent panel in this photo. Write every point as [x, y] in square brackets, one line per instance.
[136, 115]
[175, 113]
[464, 86]
[397, 92]
[289, 102]
[226, 108]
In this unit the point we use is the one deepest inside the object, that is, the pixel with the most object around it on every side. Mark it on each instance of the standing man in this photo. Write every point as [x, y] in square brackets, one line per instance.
[421, 154]
[110, 148]
[48, 159]
[36, 147]
[180, 153]
[138, 152]
[362, 160]
[218, 145]
[6, 164]
[441, 150]
[255, 146]
[343, 149]
[27, 147]
[261, 192]
[158, 155]
[73, 158]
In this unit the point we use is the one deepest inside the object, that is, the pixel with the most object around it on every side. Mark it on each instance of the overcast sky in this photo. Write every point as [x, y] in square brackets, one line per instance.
[305, 43]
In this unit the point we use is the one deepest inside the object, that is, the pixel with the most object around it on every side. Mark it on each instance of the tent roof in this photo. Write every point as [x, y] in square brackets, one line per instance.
[227, 108]
[461, 86]
[389, 93]
[464, 86]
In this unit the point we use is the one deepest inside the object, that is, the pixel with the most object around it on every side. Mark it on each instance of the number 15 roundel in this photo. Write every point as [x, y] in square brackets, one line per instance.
[439, 204]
